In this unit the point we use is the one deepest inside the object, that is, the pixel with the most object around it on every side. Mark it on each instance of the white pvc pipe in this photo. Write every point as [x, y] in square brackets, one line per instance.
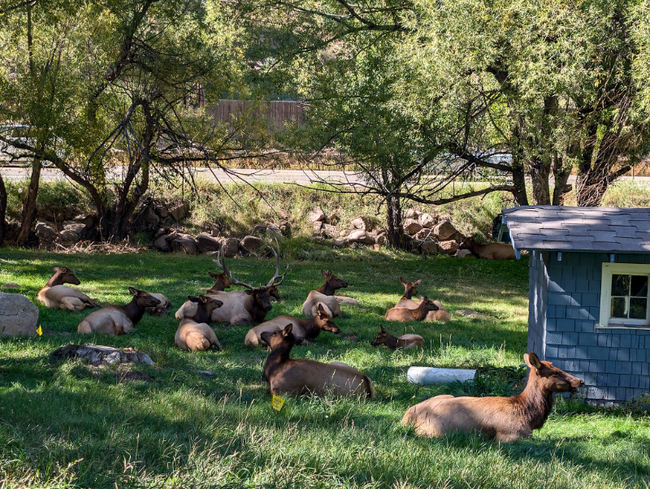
[431, 375]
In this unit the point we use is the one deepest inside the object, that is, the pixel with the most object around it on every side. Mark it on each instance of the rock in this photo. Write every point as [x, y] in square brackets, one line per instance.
[150, 218]
[251, 244]
[448, 247]
[360, 236]
[231, 247]
[330, 231]
[161, 210]
[185, 244]
[18, 316]
[341, 241]
[425, 234]
[69, 236]
[285, 228]
[411, 226]
[444, 230]
[179, 212]
[45, 230]
[359, 223]
[333, 218]
[427, 220]
[11, 285]
[429, 247]
[215, 232]
[207, 243]
[97, 354]
[463, 253]
[411, 213]
[316, 215]
[85, 218]
[274, 229]
[161, 243]
[160, 232]
[258, 230]
[318, 225]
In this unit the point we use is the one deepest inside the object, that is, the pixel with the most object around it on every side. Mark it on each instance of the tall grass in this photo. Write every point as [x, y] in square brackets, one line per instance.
[66, 424]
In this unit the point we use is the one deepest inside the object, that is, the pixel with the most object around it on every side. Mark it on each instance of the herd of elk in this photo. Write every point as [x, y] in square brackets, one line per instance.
[325, 296]
[411, 289]
[194, 333]
[505, 418]
[59, 296]
[303, 329]
[492, 251]
[117, 320]
[406, 341]
[287, 375]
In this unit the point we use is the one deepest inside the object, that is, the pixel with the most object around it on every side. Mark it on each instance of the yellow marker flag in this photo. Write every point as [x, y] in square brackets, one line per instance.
[39, 330]
[277, 403]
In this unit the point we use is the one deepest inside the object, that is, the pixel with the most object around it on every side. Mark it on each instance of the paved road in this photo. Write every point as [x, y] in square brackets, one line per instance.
[303, 177]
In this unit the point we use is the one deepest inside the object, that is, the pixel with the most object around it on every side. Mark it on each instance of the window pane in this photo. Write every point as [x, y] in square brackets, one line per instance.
[620, 285]
[639, 286]
[618, 307]
[638, 308]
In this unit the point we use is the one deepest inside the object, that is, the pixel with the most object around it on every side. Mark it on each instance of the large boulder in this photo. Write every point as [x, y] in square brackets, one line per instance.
[429, 247]
[445, 230]
[179, 212]
[150, 218]
[251, 244]
[448, 247]
[427, 220]
[273, 229]
[317, 215]
[184, 244]
[231, 247]
[18, 316]
[207, 243]
[361, 236]
[45, 230]
[318, 226]
[411, 226]
[330, 231]
[161, 243]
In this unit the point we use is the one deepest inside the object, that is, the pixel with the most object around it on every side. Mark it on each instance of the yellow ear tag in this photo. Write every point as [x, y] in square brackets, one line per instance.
[39, 330]
[277, 403]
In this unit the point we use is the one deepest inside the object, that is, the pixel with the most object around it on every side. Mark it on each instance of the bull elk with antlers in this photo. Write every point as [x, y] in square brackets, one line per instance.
[240, 307]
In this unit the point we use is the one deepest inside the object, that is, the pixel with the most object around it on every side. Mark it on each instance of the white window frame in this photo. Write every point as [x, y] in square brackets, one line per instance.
[608, 270]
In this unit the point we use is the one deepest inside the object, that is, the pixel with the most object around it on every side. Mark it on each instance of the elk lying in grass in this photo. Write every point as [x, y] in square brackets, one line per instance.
[161, 308]
[325, 296]
[505, 418]
[492, 251]
[406, 341]
[116, 320]
[193, 333]
[411, 289]
[308, 376]
[240, 307]
[407, 314]
[59, 296]
[303, 329]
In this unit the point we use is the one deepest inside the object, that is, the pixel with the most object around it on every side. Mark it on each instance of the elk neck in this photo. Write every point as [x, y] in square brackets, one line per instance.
[326, 288]
[133, 310]
[280, 355]
[534, 404]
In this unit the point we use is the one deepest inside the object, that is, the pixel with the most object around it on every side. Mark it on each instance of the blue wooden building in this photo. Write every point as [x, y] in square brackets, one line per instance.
[589, 302]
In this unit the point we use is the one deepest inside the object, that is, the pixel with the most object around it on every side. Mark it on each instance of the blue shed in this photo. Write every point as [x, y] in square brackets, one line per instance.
[589, 302]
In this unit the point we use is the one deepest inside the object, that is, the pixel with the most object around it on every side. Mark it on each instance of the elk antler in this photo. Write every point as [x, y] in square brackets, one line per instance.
[277, 267]
[220, 258]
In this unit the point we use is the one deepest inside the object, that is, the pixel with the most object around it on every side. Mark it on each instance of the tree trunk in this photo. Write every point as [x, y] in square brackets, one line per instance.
[539, 173]
[3, 211]
[29, 204]
[561, 175]
[396, 236]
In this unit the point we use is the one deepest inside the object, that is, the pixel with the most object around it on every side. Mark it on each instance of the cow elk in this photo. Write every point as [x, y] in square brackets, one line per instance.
[492, 251]
[325, 296]
[303, 329]
[406, 314]
[193, 333]
[411, 289]
[406, 341]
[117, 320]
[286, 375]
[240, 307]
[59, 296]
[161, 308]
[505, 418]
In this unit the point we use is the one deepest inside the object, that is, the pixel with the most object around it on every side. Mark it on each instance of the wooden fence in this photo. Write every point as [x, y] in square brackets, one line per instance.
[276, 112]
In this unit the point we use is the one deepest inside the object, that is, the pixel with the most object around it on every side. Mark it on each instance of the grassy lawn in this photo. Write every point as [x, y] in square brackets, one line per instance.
[71, 425]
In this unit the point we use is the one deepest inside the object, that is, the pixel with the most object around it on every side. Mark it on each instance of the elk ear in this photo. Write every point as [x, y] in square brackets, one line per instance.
[249, 292]
[193, 298]
[323, 273]
[425, 298]
[532, 360]
[402, 281]
[203, 299]
[287, 330]
[213, 275]
[133, 291]
[56, 269]
[383, 330]
[417, 282]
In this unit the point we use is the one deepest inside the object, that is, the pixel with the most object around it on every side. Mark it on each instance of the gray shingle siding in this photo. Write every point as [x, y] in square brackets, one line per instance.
[563, 315]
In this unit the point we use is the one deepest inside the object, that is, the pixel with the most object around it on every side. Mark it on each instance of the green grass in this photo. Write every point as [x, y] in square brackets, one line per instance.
[70, 425]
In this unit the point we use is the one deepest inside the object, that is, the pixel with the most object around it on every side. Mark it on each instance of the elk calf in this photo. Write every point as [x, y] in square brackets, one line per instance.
[193, 333]
[505, 418]
[116, 320]
[406, 341]
[406, 314]
[303, 329]
[492, 251]
[59, 296]
[308, 376]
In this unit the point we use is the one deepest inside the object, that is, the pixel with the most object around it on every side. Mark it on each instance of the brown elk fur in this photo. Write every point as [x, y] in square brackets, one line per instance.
[325, 295]
[407, 314]
[116, 320]
[492, 251]
[410, 289]
[308, 376]
[303, 329]
[194, 334]
[406, 341]
[505, 418]
[59, 296]
[161, 308]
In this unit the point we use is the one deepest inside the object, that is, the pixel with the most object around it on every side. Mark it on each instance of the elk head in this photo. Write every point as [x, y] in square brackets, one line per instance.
[550, 378]
[324, 321]
[63, 275]
[381, 338]
[410, 288]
